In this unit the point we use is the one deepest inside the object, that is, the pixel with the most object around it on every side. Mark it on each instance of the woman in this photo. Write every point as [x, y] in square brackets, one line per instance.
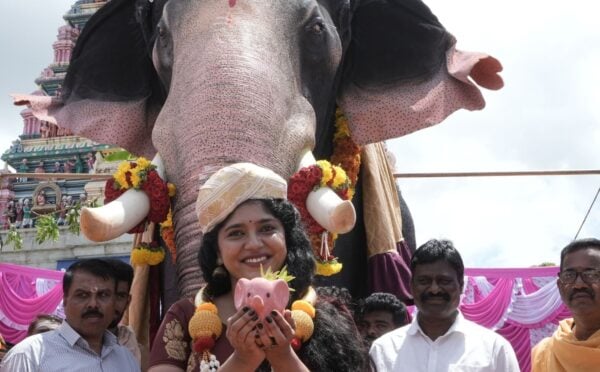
[248, 224]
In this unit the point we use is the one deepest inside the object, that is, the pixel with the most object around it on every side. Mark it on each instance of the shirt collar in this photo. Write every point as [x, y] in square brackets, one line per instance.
[71, 335]
[459, 325]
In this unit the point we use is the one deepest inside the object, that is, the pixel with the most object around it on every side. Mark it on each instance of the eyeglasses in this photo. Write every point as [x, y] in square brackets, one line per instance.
[591, 276]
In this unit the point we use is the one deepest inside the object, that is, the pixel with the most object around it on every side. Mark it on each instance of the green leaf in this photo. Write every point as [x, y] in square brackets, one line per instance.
[73, 214]
[119, 156]
[47, 228]
[281, 274]
[14, 237]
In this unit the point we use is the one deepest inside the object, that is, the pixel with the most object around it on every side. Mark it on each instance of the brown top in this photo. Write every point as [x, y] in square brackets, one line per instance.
[173, 344]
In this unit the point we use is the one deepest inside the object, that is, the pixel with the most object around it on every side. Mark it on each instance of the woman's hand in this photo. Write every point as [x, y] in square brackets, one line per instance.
[242, 335]
[275, 336]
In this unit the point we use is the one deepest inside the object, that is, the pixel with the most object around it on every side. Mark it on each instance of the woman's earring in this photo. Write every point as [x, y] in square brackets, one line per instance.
[219, 272]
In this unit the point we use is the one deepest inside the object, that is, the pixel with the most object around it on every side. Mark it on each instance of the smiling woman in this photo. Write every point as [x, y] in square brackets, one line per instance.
[249, 227]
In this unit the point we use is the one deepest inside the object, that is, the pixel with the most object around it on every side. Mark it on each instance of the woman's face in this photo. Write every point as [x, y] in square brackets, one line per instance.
[252, 237]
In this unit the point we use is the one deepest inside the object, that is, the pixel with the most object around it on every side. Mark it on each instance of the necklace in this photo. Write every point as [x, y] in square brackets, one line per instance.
[205, 326]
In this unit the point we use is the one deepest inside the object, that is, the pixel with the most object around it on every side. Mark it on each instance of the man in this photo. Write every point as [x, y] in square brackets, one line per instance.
[439, 337]
[125, 335]
[379, 314]
[575, 346]
[82, 342]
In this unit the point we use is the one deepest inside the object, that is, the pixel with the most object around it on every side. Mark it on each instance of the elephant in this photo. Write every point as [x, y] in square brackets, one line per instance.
[206, 83]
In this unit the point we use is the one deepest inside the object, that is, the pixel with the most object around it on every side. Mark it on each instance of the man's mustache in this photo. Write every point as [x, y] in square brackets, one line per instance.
[428, 296]
[587, 291]
[91, 313]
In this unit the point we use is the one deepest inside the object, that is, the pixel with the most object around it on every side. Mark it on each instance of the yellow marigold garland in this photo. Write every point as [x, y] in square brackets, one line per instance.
[147, 254]
[131, 174]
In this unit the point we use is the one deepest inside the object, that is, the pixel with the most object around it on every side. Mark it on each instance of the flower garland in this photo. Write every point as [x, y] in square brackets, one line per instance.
[147, 254]
[167, 231]
[205, 327]
[346, 152]
[307, 179]
[140, 175]
[342, 179]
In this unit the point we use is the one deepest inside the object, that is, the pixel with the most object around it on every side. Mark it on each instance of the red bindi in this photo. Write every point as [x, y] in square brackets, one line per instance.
[232, 3]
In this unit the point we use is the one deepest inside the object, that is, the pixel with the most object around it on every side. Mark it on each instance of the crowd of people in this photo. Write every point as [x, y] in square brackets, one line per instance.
[250, 228]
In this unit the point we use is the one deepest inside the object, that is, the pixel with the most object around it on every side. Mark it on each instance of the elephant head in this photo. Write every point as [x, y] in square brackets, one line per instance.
[211, 82]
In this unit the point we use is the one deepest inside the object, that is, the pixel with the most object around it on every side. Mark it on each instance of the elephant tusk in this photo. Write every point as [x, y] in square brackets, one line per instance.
[325, 206]
[330, 211]
[119, 216]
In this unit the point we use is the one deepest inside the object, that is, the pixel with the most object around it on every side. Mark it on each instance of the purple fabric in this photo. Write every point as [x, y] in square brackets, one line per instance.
[389, 272]
[19, 302]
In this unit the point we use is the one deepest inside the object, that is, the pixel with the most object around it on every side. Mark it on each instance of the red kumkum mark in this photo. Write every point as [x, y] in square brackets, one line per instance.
[232, 3]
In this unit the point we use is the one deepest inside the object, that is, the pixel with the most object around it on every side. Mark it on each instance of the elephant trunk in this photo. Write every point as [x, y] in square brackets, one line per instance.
[188, 236]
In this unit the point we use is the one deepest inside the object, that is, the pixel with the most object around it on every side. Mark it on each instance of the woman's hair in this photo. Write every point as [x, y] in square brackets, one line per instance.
[300, 260]
[335, 344]
[43, 323]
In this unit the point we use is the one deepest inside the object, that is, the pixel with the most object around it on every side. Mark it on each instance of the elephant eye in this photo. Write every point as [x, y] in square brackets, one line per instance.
[161, 31]
[268, 295]
[318, 27]
[249, 294]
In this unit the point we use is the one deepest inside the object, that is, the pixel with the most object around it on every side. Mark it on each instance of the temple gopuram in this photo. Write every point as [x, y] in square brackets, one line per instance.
[66, 171]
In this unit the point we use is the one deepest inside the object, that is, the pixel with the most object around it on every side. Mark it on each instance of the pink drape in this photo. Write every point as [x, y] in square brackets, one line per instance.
[19, 301]
[523, 305]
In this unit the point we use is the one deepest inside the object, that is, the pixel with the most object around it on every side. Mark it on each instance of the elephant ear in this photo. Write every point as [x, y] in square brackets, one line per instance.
[402, 72]
[281, 293]
[239, 294]
[111, 93]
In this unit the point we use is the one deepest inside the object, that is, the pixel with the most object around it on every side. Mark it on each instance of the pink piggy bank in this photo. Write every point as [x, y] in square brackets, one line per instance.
[262, 295]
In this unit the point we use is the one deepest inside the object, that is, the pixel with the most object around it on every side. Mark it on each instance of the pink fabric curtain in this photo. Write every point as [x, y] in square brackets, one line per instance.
[523, 305]
[21, 300]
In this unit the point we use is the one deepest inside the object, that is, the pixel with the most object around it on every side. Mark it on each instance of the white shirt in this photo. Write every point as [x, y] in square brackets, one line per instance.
[63, 349]
[466, 347]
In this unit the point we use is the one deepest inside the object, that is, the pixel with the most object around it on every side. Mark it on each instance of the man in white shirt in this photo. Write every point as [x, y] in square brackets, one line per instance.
[125, 335]
[82, 342]
[439, 338]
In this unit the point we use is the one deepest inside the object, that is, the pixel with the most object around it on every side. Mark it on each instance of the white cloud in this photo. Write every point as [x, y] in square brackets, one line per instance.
[545, 118]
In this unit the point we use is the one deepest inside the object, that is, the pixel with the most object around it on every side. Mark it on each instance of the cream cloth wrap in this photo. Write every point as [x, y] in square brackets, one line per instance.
[230, 186]
[383, 221]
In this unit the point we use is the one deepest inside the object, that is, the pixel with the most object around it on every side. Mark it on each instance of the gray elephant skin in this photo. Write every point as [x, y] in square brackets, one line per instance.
[211, 82]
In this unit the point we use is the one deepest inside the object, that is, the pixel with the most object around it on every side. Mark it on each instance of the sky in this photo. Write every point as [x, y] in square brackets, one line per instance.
[546, 118]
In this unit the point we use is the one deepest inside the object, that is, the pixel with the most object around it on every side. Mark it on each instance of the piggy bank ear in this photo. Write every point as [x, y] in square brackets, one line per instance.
[281, 294]
[242, 286]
